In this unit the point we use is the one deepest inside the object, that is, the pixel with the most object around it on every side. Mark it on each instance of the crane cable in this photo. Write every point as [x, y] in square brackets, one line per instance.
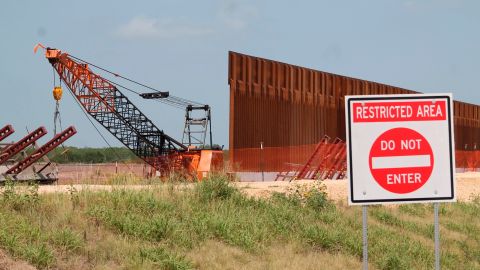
[170, 100]
[57, 95]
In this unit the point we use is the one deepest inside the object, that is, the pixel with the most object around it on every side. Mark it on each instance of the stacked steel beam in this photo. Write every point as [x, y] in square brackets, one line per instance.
[10, 166]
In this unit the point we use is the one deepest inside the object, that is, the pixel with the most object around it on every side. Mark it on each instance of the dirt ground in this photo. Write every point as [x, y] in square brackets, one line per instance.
[468, 185]
[7, 263]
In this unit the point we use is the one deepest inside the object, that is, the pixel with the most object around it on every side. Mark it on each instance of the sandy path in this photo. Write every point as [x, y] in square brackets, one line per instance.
[468, 185]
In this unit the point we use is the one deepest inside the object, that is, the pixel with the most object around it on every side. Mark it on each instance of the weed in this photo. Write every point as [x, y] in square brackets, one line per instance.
[320, 237]
[8, 189]
[39, 255]
[413, 209]
[282, 198]
[386, 217]
[20, 200]
[21, 238]
[313, 196]
[123, 179]
[74, 198]
[393, 262]
[164, 259]
[218, 187]
[67, 240]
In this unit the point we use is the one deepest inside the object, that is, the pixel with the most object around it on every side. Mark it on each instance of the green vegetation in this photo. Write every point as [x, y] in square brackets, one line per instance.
[72, 154]
[213, 225]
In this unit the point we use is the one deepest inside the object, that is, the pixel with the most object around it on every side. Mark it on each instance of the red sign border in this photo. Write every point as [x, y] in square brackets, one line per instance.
[373, 98]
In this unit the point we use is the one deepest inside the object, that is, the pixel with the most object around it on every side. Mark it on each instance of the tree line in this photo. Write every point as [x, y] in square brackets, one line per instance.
[72, 154]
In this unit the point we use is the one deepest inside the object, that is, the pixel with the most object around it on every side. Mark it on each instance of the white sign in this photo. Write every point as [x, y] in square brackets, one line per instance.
[400, 148]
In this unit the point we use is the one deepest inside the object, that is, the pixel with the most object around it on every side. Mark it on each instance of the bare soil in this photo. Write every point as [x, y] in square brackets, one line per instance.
[468, 186]
[8, 263]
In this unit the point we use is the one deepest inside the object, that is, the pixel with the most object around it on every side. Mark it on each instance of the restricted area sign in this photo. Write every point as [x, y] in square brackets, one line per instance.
[400, 148]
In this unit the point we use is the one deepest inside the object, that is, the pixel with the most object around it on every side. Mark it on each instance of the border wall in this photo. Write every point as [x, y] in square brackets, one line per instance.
[290, 108]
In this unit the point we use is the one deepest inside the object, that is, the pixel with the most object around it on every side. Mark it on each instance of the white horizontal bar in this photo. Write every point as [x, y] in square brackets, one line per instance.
[400, 162]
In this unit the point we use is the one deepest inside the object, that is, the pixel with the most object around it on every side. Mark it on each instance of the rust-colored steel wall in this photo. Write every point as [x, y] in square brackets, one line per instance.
[289, 107]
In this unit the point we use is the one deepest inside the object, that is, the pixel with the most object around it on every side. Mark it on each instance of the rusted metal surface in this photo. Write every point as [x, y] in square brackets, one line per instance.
[40, 152]
[6, 131]
[15, 148]
[291, 108]
[327, 161]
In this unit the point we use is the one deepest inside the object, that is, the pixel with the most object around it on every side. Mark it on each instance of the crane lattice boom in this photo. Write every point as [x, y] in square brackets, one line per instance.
[106, 104]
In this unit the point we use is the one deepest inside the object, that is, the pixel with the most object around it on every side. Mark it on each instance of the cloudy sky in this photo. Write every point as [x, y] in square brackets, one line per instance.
[182, 46]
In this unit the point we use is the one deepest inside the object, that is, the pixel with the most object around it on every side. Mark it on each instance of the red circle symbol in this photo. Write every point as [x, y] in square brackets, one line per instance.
[401, 160]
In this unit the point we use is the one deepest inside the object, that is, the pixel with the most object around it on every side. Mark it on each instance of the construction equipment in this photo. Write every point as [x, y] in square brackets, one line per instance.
[37, 154]
[103, 101]
[19, 164]
[15, 148]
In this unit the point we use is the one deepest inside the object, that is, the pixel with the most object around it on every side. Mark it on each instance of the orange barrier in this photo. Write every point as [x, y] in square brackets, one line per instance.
[271, 159]
[281, 159]
[468, 160]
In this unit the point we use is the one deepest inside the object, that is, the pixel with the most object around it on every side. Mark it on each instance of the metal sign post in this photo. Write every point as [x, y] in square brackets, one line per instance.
[437, 236]
[365, 237]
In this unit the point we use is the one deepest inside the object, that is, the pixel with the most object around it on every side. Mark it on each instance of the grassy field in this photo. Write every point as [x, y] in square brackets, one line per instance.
[214, 226]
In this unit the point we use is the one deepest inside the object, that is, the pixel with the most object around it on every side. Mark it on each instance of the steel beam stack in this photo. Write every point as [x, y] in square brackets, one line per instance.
[40, 152]
[26, 169]
[15, 148]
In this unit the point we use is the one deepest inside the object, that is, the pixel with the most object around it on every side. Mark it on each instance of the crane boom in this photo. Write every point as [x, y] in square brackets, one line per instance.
[113, 110]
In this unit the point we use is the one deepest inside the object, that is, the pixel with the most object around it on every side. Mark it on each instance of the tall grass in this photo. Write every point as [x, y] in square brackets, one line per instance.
[161, 227]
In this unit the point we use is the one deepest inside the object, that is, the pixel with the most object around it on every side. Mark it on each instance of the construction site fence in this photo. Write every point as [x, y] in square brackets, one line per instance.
[467, 160]
[291, 158]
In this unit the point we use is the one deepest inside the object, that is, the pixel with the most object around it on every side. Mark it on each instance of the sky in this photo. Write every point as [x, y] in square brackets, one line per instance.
[182, 47]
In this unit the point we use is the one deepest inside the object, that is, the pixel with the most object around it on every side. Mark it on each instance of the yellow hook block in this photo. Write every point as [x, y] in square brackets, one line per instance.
[57, 93]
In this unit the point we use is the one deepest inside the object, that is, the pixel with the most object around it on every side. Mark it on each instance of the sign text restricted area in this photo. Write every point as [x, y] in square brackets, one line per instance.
[399, 111]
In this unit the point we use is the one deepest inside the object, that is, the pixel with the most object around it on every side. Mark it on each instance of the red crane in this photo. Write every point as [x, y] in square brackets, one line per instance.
[105, 103]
